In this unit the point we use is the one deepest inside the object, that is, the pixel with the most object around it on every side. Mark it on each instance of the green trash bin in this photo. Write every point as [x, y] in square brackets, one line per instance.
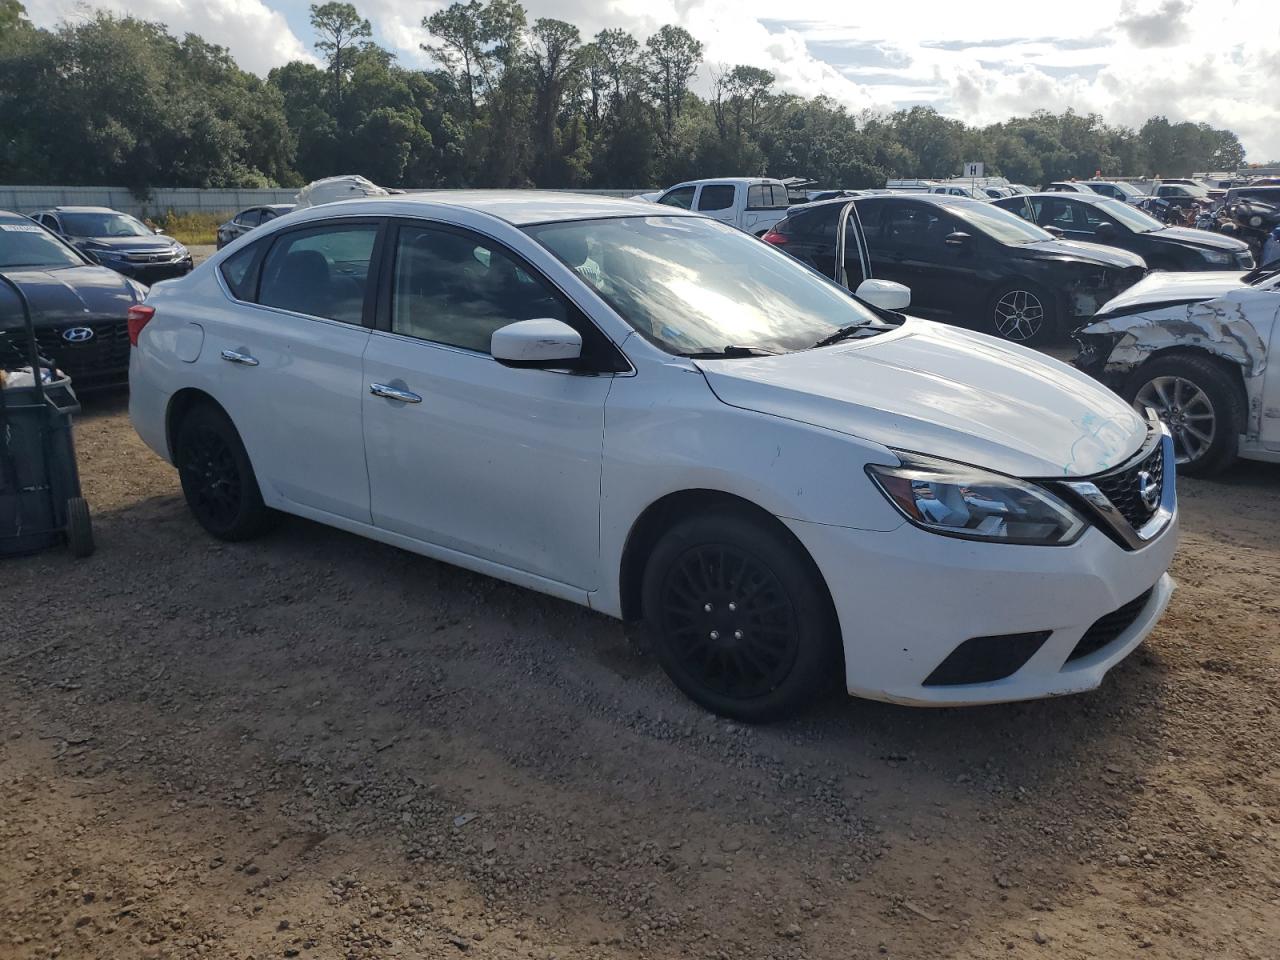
[40, 501]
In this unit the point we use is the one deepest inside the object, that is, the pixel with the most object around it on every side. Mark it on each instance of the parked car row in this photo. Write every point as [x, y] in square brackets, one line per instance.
[654, 414]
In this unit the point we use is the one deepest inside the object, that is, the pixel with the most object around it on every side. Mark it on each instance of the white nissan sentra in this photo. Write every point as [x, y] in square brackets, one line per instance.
[657, 416]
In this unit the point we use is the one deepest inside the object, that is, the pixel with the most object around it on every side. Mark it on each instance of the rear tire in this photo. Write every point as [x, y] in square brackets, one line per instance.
[1201, 404]
[217, 477]
[1022, 312]
[739, 617]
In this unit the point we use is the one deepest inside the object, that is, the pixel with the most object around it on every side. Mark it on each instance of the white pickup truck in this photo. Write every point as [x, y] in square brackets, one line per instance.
[752, 204]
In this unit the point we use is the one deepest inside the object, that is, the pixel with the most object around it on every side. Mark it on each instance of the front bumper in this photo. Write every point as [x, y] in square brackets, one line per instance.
[149, 273]
[908, 598]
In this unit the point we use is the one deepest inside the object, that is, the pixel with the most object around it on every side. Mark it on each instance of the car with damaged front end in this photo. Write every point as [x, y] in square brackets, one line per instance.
[655, 415]
[1194, 347]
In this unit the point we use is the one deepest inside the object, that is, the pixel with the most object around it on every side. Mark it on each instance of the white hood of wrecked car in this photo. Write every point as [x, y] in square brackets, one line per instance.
[945, 392]
[1166, 287]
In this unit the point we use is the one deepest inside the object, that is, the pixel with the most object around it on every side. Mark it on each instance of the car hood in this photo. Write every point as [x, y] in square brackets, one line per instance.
[1094, 253]
[1174, 287]
[945, 392]
[156, 244]
[69, 293]
[1199, 238]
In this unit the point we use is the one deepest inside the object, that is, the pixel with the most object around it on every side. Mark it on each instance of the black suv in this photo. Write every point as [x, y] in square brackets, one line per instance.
[965, 261]
[1122, 225]
[119, 241]
[79, 308]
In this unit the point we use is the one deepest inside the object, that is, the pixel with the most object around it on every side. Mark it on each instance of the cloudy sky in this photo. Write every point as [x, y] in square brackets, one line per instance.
[1216, 61]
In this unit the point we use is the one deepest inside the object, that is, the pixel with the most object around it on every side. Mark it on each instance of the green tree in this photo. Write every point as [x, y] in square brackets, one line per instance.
[13, 17]
[670, 62]
[339, 27]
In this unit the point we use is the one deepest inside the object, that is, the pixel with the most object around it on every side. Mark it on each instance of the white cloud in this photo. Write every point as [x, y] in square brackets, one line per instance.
[1216, 61]
[257, 35]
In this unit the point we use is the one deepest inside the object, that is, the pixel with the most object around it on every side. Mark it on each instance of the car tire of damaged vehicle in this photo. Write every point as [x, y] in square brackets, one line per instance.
[655, 415]
[1194, 347]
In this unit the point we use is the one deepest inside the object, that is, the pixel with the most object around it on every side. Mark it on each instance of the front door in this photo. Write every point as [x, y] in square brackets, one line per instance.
[716, 200]
[287, 360]
[467, 453]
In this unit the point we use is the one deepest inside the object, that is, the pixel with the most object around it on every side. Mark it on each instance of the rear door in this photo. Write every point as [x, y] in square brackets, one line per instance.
[906, 239]
[718, 201]
[286, 359]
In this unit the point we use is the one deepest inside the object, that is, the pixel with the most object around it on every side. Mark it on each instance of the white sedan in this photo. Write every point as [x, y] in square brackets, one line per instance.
[1194, 347]
[659, 417]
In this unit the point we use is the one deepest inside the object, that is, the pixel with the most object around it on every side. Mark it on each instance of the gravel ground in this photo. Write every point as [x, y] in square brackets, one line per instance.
[317, 746]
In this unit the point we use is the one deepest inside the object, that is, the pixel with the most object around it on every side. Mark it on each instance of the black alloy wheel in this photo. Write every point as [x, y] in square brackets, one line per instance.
[217, 478]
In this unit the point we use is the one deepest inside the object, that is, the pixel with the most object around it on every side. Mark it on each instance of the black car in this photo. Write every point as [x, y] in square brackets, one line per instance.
[246, 220]
[965, 261]
[79, 308]
[119, 241]
[1117, 224]
[1184, 194]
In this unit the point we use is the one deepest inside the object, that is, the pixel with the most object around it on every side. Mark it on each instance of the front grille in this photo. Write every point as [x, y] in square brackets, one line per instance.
[104, 356]
[1110, 626]
[1123, 488]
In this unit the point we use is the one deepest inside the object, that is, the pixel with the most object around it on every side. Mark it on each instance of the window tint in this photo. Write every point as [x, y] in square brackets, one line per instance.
[817, 224]
[249, 218]
[766, 196]
[681, 197]
[268, 215]
[918, 226]
[716, 196]
[321, 272]
[48, 221]
[24, 244]
[237, 270]
[456, 289]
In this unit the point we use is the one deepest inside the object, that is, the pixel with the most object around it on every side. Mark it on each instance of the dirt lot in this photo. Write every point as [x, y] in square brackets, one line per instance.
[317, 746]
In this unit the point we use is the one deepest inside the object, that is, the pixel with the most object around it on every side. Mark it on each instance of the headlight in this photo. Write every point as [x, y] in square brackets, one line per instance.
[103, 252]
[960, 501]
[1216, 256]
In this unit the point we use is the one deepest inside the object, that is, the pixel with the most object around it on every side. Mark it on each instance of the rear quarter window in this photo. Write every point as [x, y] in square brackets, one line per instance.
[240, 271]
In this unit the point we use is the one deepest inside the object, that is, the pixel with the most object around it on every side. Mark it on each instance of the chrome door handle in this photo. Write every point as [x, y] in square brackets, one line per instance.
[235, 357]
[394, 393]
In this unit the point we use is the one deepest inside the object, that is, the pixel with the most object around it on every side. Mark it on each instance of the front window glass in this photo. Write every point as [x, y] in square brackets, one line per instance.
[457, 289]
[681, 197]
[29, 245]
[321, 272]
[104, 225]
[692, 285]
[999, 224]
[1130, 216]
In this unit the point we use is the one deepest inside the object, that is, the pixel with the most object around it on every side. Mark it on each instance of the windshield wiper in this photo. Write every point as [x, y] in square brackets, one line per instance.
[844, 333]
[730, 352]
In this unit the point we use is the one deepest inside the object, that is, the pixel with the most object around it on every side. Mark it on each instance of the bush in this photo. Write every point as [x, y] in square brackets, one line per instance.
[189, 228]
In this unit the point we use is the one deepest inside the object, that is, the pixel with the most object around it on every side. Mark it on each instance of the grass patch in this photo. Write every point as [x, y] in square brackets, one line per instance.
[191, 228]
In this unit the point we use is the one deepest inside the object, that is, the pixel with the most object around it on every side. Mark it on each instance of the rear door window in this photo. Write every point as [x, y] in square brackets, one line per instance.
[321, 272]
[239, 273]
[249, 218]
[716, 196]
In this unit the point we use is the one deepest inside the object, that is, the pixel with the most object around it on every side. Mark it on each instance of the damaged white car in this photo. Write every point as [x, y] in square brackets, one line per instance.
[1194, 347]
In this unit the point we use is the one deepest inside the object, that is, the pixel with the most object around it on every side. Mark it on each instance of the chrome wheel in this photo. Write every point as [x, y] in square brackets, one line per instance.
[1019, 315]
[1186, 409]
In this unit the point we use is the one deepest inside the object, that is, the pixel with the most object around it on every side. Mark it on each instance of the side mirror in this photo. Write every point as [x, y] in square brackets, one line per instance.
[958, 239]
[1057, 232]
[1105, 231]
[535, 343]
[884, 294]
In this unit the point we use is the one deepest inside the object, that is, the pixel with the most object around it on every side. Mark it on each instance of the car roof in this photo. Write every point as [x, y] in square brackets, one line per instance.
[84, 210]
[941, 199]
[1090, 197]
[517, 207]
[8, 216]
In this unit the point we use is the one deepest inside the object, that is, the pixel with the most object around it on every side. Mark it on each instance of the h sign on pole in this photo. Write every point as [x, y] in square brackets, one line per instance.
[973, 170]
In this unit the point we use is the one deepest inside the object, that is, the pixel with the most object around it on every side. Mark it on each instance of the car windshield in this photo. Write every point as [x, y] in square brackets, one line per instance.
[1194, 189]
[998, 223]
[692, 285]
[27, 245]
[103, 225]
[1130, 216]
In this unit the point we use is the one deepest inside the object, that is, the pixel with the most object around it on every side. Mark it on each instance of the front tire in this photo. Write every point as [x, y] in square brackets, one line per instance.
[1201, 404]
[217, 477]
[739, 617]
[1023, 313]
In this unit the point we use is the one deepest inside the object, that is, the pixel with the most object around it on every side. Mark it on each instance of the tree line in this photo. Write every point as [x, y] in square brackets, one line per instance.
[119, 100]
